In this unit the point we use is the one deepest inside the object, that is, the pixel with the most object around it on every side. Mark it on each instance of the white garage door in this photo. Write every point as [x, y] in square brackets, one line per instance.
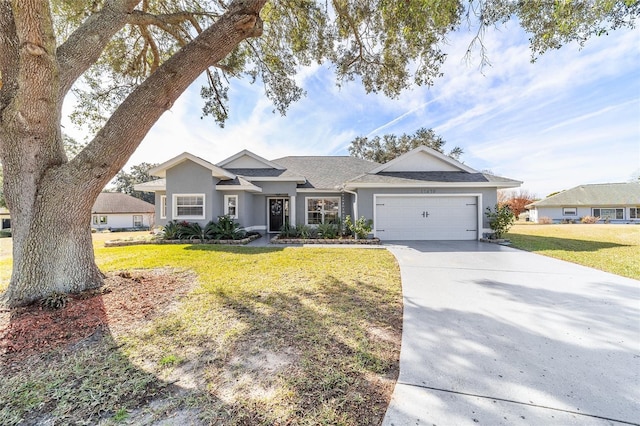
[426, 218]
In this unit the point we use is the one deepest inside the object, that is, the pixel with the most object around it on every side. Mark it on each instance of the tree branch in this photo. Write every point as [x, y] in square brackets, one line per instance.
[117, 140]
[85, 45]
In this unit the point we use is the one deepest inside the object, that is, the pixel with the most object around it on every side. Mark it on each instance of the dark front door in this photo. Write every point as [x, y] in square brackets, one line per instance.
[277, 207]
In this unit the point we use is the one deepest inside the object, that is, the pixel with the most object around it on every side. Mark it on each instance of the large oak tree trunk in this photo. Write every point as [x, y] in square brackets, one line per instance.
[52, 249]
[50, 198]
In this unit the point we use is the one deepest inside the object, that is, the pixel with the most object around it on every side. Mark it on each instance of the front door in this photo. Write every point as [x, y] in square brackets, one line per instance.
[277, 213]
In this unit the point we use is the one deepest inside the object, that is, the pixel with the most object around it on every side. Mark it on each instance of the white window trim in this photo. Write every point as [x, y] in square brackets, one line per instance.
[141, 219]
[306, 207]
[163, 207]
[615, 209]
[226, 205]
[574, 209]
[174, 206]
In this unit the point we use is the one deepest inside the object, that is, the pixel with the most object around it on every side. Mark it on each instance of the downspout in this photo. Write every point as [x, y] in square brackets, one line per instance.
[355, 205]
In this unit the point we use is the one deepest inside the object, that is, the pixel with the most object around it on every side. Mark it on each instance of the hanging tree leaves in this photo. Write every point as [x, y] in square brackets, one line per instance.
[127, 61]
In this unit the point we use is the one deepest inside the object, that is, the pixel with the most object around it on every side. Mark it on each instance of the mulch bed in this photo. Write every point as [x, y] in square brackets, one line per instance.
[126, 300]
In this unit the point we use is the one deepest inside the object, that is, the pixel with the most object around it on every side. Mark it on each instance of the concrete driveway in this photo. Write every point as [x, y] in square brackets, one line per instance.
[494, 335]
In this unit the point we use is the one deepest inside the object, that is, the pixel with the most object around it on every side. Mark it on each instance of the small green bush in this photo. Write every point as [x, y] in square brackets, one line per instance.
[360, 228]
[500, 220]
[288, 231]
[328, 230]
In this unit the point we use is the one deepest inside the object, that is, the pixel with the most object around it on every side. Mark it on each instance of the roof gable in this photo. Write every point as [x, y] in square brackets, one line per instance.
[603, 194]
[117, 202]
[161, 170]
[423, 159]
[246, 159]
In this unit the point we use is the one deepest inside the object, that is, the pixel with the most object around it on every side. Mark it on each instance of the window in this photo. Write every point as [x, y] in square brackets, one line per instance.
[323, 210]
[188, 206]
[137, 221]
[609, 213]
[99, 220]
[569, 211]
[163, 207]
[634, 213]
[231, 206]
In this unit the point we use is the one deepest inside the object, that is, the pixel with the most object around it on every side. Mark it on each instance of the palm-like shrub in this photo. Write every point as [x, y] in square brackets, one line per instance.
[227, 229]
[328, 230]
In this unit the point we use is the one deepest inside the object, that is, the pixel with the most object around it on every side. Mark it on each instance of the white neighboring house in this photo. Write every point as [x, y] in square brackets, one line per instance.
[5, 220]
[115, 210]
[611, 202]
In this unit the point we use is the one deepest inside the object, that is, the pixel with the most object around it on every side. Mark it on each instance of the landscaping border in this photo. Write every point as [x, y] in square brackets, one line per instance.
[119, 243]
[279, 240]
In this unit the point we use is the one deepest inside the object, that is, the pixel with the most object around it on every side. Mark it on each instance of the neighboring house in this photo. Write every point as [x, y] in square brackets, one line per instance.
[612, 202]
[115, 210]
[5, 219]
[421, 195]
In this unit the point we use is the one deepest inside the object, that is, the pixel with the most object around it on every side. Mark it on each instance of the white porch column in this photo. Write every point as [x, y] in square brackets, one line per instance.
[292, 210]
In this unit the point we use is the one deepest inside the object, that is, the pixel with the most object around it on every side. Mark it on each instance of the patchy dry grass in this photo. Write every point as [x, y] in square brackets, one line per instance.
[611, 248]
[268, 336]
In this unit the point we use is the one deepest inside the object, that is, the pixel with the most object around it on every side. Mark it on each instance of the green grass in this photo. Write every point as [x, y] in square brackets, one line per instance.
[268, 336]
[611, 248]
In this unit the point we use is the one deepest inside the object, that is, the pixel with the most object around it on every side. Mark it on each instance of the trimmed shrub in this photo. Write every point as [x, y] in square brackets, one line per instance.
[544, 220]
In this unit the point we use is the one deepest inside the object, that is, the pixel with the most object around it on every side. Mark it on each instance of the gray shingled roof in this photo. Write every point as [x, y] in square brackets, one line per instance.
[117, 202]
[431, 177]
[264, 173]
[326, 172]
[604, 194]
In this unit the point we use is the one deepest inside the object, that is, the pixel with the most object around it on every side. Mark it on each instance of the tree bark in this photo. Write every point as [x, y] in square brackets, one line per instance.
[50, 198]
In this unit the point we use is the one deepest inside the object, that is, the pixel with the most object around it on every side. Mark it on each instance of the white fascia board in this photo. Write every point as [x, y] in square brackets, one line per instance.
[149, 188]
[318, 190]
[256, 157]
[248, 188]
[161, 170]
[426, 150]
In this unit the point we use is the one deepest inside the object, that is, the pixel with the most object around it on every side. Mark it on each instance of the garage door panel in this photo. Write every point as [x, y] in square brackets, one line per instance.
[426, 218]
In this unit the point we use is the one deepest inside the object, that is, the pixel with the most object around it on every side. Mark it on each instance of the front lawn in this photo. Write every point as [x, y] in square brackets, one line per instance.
[265, 336]
[611, 248]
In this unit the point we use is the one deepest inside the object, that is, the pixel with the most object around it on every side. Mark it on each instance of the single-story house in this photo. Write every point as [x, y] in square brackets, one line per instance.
[612, 202]
[115, 210]
[421, 195]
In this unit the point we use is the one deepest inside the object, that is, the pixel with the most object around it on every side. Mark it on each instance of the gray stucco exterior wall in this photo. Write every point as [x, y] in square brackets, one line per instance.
[191, 178]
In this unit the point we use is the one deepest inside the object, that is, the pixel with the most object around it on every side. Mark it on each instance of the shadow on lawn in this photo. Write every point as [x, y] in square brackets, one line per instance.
[333, 369]
[540, 243]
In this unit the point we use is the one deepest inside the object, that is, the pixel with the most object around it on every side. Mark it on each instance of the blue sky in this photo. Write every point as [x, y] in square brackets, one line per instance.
[570, 118]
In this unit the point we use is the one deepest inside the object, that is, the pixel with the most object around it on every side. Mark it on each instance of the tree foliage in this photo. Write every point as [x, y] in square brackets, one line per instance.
[386, 148]
[127, 61]
[138, 173]
[516, 200]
